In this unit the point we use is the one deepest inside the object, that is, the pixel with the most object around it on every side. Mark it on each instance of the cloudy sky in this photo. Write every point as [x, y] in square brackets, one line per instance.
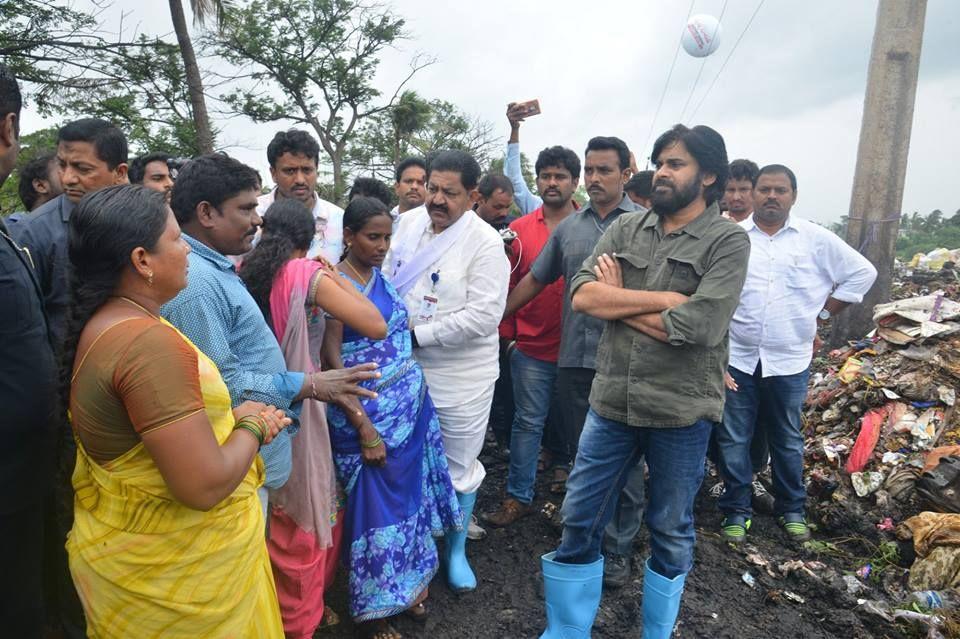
[792, 91]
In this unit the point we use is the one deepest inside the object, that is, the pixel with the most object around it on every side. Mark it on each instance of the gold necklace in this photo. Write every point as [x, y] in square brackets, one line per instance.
[127, 299]
[362, 279]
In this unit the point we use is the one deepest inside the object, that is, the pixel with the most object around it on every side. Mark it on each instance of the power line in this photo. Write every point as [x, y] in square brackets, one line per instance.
[666, 85]
[724, 65]
[702, 64]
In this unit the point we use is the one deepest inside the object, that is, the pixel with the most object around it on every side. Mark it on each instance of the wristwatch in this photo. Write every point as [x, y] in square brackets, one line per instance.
[824, 315]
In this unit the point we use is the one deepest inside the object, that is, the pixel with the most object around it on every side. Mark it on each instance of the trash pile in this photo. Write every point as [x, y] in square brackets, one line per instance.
[935, 259]
[883, 447]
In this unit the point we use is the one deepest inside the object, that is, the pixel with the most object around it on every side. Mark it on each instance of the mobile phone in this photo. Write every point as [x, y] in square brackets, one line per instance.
[526, 109]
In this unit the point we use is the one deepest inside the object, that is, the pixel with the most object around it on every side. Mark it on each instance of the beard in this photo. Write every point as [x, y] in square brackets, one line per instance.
[669, 202]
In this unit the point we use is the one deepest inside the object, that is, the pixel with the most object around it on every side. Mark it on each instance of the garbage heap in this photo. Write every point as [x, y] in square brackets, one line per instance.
[883, 440]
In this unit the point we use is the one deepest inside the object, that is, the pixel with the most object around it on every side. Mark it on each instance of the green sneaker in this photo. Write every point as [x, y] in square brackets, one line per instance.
[733, 529]
[796, 526]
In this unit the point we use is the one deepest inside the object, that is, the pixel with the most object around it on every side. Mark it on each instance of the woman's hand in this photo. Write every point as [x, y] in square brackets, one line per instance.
[376, 455]
[275, 420]
[271, 418]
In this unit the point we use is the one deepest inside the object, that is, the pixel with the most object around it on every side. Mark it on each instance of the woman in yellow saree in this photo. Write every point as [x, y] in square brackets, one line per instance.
[167, 539]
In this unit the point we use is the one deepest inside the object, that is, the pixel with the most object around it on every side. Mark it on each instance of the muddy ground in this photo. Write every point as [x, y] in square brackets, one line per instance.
[717, 603]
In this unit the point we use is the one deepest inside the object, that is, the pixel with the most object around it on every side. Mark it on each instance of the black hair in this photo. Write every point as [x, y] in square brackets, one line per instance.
[778, 168]
[109, 142]
[36, 169]
[137, 170]
[744, 170]
[212, 178]
[456, 161]
[558, 156]
[287, 226]
[103, 231]
[610, 143]
[492, 182]
[10, 99]
[359, 211]
[371, 187]
[707, 148]
[293, 141]
[641, 184]
[407, 162]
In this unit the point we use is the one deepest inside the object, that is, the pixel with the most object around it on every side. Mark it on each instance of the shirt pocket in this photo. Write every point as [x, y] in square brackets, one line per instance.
[450, 291]
[684, 274]
[634, 270]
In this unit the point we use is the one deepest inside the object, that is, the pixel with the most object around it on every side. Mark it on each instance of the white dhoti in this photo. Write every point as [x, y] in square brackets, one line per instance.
[463, 427]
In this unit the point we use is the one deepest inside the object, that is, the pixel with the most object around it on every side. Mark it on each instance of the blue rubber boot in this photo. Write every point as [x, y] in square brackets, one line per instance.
[661, 603]
[459, 574]
[572, 592]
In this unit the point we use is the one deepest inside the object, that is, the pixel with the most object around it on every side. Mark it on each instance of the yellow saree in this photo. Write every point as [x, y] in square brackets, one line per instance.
[145, 565]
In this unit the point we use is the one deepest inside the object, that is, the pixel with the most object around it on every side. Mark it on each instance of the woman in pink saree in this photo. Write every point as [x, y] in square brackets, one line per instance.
[296, 294]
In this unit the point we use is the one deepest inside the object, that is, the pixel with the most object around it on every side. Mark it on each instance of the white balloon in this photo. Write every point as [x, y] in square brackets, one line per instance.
[701, 35]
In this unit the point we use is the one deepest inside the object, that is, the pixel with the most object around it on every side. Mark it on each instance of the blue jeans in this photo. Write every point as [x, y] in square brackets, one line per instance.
[608, 452]
[532, 393]
[776, 402]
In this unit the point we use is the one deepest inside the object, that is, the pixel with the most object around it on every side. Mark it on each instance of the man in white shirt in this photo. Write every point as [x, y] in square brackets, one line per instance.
[799, 274]
[450, 268]
[410, 187]
[294, 156]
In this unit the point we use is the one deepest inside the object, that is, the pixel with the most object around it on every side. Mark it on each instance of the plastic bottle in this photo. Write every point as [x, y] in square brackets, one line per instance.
[936, 599]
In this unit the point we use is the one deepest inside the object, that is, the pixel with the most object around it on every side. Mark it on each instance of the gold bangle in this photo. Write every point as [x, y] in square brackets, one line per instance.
[376, 442]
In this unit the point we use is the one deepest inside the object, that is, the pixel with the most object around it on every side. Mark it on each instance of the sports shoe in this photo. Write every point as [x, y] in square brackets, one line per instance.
[474, 531]
[716, 490]
[795, 525]
[763, 501]
[733, 529]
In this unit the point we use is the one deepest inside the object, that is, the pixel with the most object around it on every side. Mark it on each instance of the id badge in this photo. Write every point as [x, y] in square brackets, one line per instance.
[428, 309]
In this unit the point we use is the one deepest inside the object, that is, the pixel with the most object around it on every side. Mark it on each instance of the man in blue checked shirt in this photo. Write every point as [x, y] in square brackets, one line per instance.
[215, 201]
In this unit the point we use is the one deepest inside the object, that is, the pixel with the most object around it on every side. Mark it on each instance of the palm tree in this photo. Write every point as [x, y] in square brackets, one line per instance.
[201, 10]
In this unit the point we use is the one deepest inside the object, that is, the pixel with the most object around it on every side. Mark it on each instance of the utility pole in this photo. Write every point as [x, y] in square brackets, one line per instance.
[882, 154]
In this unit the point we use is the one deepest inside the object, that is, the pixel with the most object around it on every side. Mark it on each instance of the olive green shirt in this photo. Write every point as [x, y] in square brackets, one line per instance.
[642, 381]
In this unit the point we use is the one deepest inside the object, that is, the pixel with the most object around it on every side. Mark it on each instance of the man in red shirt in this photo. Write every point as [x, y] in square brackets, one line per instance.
[536, 329]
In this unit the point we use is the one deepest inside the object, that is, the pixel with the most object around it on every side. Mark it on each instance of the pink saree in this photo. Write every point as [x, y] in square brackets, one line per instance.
[305, 533]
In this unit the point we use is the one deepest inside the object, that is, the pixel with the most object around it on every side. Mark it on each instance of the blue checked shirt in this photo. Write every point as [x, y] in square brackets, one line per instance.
[220, 317]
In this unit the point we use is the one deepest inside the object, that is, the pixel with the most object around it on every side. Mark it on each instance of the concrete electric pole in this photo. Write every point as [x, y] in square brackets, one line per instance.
[882, 154]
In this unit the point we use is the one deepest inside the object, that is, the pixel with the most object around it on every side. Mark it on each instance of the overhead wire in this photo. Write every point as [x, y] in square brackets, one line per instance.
[726, 60]
[666, 85]
[696, 80]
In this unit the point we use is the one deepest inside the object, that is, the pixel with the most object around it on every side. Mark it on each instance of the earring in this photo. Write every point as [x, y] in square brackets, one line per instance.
[150, 278]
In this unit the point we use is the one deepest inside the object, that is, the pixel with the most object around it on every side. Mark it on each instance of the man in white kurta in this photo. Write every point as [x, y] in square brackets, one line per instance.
[450, 268]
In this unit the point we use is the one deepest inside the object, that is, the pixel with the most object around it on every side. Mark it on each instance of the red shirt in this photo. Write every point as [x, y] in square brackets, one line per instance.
[536, 326]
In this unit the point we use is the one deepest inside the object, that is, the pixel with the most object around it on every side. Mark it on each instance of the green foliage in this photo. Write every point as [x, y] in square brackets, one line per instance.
[923, 234]
[313, 62]
[31, 145]
[69, 68]
[526, 170]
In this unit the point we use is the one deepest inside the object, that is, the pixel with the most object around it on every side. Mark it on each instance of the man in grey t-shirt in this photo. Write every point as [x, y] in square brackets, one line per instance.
[606, 170]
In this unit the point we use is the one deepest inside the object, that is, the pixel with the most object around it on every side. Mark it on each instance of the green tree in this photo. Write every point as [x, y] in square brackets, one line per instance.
[202, 10]
[68, 67]
[312, 62]
[496, 166]
[416, 126]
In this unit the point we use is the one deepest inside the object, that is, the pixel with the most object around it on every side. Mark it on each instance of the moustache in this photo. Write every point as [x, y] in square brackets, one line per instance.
[663, 183]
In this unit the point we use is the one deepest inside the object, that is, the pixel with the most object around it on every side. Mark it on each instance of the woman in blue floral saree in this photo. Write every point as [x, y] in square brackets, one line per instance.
[388, 451]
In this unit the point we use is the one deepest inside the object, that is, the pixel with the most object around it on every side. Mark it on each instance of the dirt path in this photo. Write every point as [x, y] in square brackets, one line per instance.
[717, 604]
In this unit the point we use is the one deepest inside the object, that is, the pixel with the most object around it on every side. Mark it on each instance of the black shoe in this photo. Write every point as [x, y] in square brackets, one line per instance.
[616, 570]
[762, 500]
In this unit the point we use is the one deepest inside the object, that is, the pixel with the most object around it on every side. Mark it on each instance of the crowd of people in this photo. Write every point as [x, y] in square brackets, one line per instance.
[217, 395]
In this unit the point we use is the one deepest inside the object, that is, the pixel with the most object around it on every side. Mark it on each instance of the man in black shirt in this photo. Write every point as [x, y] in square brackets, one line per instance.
[28, 396]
